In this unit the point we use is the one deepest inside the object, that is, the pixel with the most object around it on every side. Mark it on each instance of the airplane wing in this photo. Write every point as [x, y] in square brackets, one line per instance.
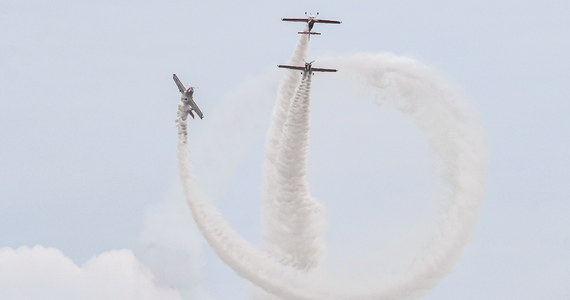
[295, 20]
[291, 67]
[323, 70]
[194, 107]
[327, 21]
[179, 84]
[199, 112]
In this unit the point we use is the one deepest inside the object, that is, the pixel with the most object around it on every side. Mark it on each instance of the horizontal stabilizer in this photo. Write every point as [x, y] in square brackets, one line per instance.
[309, 32]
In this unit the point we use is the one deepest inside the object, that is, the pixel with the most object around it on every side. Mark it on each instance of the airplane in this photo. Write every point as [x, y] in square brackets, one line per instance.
[310, 20]
[307, 69]
[187, 104]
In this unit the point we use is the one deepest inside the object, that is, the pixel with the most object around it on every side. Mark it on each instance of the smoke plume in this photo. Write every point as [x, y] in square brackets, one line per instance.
[457, 148]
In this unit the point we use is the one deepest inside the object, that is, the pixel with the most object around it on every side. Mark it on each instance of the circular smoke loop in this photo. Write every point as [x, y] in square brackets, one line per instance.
[294, 221]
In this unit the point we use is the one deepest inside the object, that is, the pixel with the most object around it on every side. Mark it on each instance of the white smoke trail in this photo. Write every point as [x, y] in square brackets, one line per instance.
[272, 220]
[275, 227]
[456, 142]
[296, 229]
[248, 261]
[284, 97]
[457, 146]
[293, 222]
[280, 112]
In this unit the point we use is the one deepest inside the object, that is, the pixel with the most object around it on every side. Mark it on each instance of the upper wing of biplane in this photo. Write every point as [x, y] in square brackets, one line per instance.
[323, 70]
[295, 20]
[199, 112]
[291, 67]
[327, 21]
[196, 109]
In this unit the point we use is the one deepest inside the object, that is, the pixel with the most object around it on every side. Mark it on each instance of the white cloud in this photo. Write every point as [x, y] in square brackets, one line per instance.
[46, 273]
[170, 246]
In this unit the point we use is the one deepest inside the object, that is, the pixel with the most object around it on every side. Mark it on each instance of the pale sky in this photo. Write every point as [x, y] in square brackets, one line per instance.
[89, 144]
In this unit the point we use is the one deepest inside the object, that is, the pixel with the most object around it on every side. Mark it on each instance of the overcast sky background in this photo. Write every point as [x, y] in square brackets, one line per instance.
[88, 152]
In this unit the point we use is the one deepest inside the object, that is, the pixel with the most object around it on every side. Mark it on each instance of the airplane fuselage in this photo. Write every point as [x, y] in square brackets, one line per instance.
[311, 23]
[189, 104]
[308, 70]
[186, 106]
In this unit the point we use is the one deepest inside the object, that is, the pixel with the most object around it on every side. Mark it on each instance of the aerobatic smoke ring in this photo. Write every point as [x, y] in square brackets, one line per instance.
[455, 139]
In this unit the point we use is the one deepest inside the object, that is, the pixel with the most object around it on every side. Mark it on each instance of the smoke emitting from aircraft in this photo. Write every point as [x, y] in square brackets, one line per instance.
[293, 220]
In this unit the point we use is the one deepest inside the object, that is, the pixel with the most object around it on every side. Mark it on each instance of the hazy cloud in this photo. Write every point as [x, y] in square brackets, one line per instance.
[46, 273]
